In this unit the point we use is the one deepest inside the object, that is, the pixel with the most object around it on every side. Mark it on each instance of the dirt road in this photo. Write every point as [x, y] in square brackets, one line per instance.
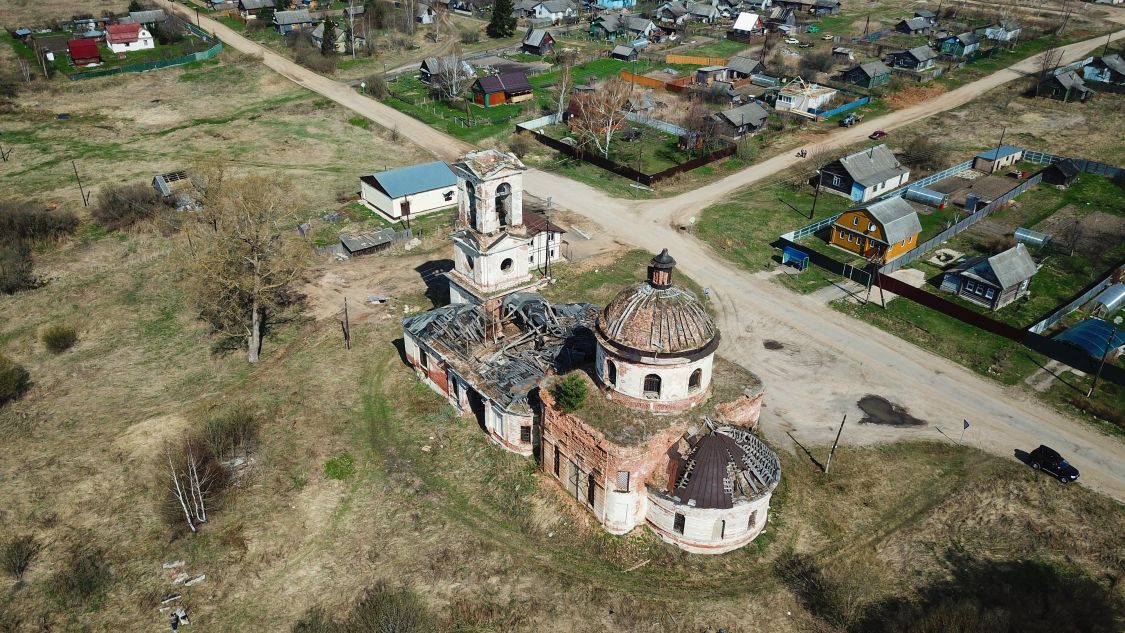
[827, 361]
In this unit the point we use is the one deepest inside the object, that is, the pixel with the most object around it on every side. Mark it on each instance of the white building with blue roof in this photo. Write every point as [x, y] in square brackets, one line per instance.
[414, 190]
[997, 158]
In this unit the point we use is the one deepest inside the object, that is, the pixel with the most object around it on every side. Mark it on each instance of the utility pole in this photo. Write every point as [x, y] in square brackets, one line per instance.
[816, 195]
[85, 196]
[1101, 364]
[996, 158]
[834, 444]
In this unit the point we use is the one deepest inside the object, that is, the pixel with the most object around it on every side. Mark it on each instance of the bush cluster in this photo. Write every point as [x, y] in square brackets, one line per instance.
[59, 338]
[83, 577]
[17, 554]
[231, 434]
[376, 86]
[14, 380]
[570, 393]
[121, 206]
[380, 608]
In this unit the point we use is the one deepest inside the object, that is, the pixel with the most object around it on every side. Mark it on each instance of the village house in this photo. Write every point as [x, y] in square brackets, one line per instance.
[745, 119]
[424, 13]
[317, 37]
[432, 67]
[703, 12]
[992, 282]
[249, 8]
[914, 26]
[696, 474]
[624, 53]
[610, 26]
[286, 21]
[742, 67]
[1065, 86]
[148, 18]
[83, 51]
[960, 46]
[545, 246]
[675, 12]
[997, 158]
[611, 5]
[554, 11]
[879, 231]
[842, 54]
[864, 175]
[1005, 31]
[918, 59]
[407, 191]
[706, 75]
[124, 38]
[495, 90]
[927, 15]
[801, 98]
[538, 42]
[781, 19]
[815, 7]
[1109, 69]
[869, 75]
[748, 25]
[222, 5]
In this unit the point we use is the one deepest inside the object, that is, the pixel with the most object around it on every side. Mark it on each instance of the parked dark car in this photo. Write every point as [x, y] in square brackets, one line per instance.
[1048, 460]
[878, 135]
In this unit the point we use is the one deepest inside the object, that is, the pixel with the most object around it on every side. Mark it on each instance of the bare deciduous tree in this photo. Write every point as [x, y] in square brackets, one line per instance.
[599, 113]
[242, 265]
[194, 477]
[565, 60]
[701, 125]
[450, 79]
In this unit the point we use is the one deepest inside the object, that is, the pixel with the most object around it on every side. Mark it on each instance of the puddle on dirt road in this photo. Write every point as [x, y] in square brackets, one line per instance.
[772, 344]
[879, 410]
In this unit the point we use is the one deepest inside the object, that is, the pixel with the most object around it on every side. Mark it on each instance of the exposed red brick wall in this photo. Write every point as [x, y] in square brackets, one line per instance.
[656, 406]
[743, 411]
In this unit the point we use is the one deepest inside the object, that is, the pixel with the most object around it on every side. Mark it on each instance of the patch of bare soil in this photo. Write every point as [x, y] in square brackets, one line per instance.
[913, 95]
[1094, 232]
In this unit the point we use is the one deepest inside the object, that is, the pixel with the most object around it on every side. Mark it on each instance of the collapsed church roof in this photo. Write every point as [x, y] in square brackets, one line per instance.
[727, 465]
[538, 337]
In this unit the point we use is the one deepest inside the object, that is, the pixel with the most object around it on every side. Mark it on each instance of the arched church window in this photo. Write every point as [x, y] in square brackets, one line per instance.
[611, 372]
[471, 192]
[695, 380]
[504, 203]
[652, 386]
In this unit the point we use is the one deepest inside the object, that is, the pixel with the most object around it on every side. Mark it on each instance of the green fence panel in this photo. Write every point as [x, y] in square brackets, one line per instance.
[160, 63]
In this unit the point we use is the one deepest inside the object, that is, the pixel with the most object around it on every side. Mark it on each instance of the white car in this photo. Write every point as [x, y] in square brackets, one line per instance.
[827, 37]
[792, 40]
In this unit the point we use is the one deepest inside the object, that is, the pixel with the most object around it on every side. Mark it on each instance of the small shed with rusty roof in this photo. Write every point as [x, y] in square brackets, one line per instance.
[84, 51]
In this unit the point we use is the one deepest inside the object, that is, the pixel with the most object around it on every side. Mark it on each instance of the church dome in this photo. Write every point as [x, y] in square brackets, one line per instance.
[655, 316]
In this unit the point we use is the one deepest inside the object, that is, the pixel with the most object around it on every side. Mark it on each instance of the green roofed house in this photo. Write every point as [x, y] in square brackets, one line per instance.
[413, 190]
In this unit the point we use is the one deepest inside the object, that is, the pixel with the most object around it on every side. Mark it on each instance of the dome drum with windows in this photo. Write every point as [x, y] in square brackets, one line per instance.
[656, 343]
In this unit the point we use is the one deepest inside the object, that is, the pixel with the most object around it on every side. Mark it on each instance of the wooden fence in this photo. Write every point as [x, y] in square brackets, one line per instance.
[696, 60]
[676, 85]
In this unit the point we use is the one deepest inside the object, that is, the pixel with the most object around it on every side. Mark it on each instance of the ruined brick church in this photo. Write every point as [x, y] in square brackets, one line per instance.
[664, 439]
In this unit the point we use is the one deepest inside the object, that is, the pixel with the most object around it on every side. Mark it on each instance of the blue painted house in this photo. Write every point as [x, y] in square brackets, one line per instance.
[616, 4]
[961, 45]
[286, 21]
[864, 175]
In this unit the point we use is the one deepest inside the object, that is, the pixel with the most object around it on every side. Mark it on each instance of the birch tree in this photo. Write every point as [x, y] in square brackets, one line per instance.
[244, 256]
[195, 479]
[451, 80]
[600, 113]
[565, 59]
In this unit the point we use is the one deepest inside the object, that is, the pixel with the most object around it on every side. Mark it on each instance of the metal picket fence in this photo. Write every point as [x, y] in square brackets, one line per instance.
[1088, 166]
[924, 248]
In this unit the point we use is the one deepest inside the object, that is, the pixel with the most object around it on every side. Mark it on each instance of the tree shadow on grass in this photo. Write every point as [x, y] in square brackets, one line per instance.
[977, 596]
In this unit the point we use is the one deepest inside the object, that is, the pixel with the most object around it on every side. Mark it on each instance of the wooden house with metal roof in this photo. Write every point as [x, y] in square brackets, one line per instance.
[879, 231]
[992, 282]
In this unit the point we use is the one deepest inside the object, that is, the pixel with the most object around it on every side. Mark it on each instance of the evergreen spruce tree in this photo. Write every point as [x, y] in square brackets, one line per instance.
[502, 23]
[328, 43]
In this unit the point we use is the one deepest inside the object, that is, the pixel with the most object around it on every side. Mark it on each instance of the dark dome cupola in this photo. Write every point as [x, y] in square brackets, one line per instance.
[660, 270]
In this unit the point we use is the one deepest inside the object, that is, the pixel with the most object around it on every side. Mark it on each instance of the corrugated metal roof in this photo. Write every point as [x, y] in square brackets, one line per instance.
[752, 113]
[414, 179]
[874, 69]
[922, 53]
[1093, 336]
[743, 65]
[148, 17]
[1000, 152]
[364, 241]
[255, 4]
[300, 16]
[1006, 269]
[873, 165]
[898, 219]
[712, 460]
[85, 48]
[534, 37]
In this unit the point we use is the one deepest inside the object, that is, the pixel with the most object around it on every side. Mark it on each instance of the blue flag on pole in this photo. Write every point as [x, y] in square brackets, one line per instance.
[966, 425]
